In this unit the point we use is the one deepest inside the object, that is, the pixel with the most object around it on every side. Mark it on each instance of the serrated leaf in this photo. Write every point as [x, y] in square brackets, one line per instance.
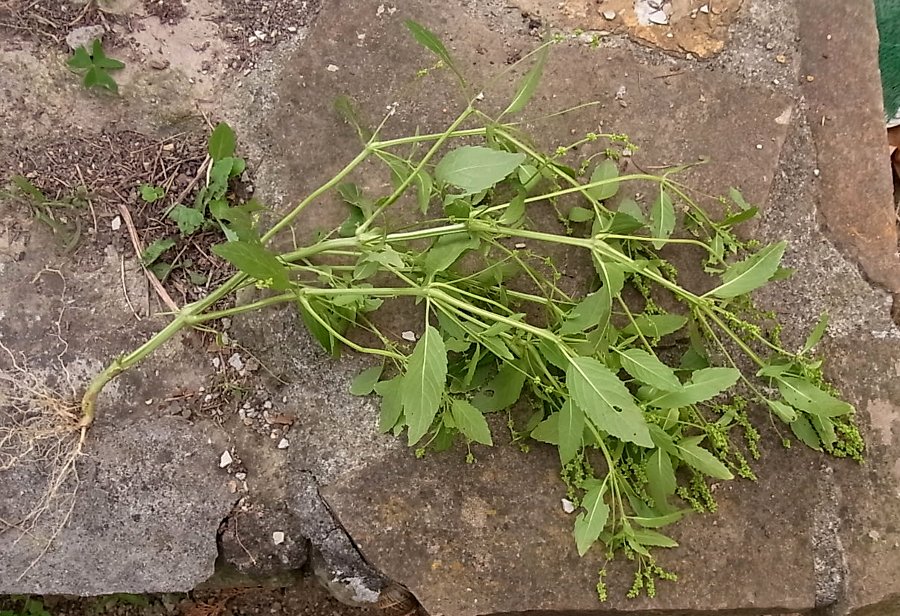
[662, 218]
[599, 392]
[751, 273]
[648, 369]
[570, 431]
[391, 405]
[424, 383]
[475, 168]
[655, 325]
[470, 422]
[187, 218]
[155, 250]
[700, 459]
[101, 60]
[607, 171]
[255, 261]
[239, 220]
[447, 249]
[590, 523]
[816, 334]
[529, 83]
[364, 382]
[660, 477]
[704, 384]
[222, 142]
[653, 539]
[804, 431]
[809, 398]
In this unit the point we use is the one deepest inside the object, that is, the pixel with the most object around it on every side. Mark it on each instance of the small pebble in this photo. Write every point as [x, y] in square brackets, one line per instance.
[226, 459]
[284, 444]
[781, 58]
[278, 537]
[568, 506]
[236, 362]
[659, 18]
[609, 15]
[332, 68]
[240, 476]
[816, 172]
[409, 336]
[704, 9]
[758, 146]
[116, 223]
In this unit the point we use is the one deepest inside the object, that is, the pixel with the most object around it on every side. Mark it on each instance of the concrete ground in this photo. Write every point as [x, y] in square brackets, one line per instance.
[781, 96]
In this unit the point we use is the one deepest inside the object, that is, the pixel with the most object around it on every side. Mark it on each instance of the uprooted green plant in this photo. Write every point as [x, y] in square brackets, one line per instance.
[639, 426]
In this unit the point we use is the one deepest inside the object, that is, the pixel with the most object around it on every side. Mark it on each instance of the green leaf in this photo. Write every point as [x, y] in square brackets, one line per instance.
[599, 393]
[700, 459]
[629, 207]
[476, 168]
[347, 110]
[515, 211]
[653, 538]
[785, 413]
[424, 383]
[81, 60]
[221, 142]
[738, 199]
[155, 250]
[103, 80]
[255, 261]
[427, 39]
[447, 249]
[804, 430]
[580, 214]
[529, 177]
[661, 520]
[816, 334]
[660, 477]
[391, 404]
[365, 381]
[101, 60]
[529, 83]
[548, 430]
[187, 218]
[655, 325]
[593, 310]
[662, 218]
[471, 422]
[311, 308]
[151, 193]
[506, 388]
[807, 397]
[423, 192]
[570, 431]
[239, 220]
[605, 171]
[648, 369]
[825, 429]
[590, 523]
[704, 384]
[751, 273]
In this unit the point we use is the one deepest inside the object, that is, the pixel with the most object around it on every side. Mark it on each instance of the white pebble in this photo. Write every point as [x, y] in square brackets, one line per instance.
[278, 537]
[609, 15]
[567, 505]
[226, 459]
[236, 362]
[409, 336]
[332, 68]
[284, 444]
[116, 223]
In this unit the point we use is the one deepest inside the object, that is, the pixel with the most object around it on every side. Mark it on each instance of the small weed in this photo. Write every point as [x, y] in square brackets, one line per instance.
[28, 607]
[95, 66]
[59, 215]
[152, 194]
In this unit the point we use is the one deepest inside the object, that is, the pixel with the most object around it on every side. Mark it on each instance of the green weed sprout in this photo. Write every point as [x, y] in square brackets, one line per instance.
[95, 66]
[641, 429]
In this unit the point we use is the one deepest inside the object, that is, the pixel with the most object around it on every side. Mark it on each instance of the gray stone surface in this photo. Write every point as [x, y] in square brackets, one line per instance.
[145, 516]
